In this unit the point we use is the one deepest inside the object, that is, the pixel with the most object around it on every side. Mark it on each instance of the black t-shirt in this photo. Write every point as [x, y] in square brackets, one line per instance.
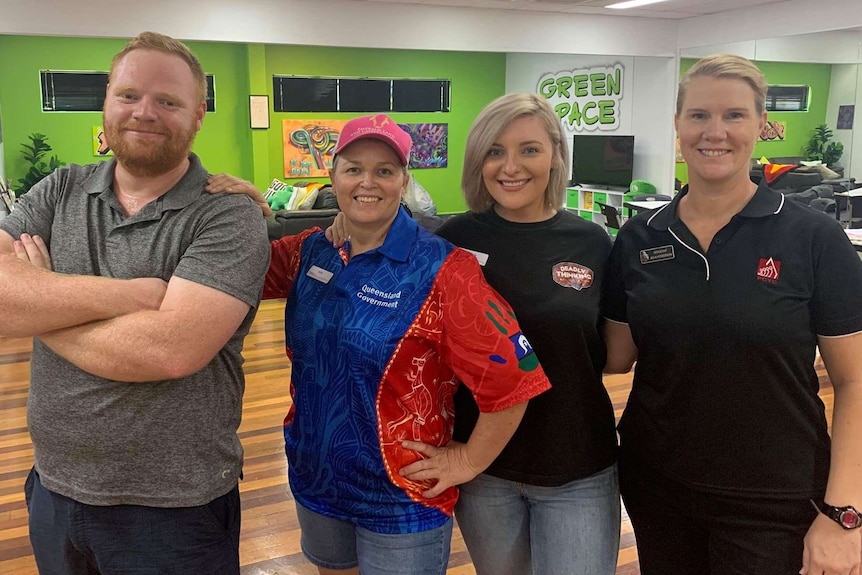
[550, 273]
[724, 396]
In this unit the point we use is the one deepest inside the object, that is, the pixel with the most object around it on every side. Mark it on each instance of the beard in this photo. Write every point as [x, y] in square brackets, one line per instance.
[148, 159]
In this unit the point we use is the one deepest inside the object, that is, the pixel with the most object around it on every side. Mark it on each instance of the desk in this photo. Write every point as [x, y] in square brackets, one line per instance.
[857, 193]
[645, 205]
[855, 238]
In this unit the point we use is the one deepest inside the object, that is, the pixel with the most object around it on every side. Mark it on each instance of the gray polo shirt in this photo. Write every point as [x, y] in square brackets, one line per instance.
[165, 443]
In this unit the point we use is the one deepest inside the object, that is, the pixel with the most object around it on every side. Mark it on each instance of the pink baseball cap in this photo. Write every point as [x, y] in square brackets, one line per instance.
[379, 127]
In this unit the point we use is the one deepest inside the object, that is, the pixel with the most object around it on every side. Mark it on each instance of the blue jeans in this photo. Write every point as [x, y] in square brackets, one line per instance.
[336, 544]
[71, 538]
[516, 529]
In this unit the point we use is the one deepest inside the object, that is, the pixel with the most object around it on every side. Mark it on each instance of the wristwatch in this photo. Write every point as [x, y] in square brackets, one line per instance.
[847, 517]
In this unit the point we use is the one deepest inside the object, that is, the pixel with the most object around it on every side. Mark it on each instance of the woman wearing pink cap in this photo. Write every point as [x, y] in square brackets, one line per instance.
[379, 332]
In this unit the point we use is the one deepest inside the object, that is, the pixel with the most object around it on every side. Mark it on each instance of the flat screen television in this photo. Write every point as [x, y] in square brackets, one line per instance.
[602, 160]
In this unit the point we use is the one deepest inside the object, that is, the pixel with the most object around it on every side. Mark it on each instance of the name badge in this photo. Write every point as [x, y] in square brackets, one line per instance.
[319, 274]
[480, 257]
[660, 254]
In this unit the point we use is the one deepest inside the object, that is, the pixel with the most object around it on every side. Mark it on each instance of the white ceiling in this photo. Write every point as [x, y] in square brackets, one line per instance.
[670, 9]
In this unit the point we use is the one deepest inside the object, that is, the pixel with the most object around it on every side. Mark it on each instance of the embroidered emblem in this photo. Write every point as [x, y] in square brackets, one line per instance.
[573, 275]
[378, 297]
[659, 254]
[379, 118]
[768, 270]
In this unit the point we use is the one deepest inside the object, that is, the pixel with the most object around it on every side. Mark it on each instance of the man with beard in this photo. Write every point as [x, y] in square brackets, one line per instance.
[139, 287]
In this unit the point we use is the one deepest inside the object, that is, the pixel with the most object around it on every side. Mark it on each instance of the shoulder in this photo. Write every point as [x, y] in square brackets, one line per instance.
[574, 222]
[459, 275]
[800, 221]
[427, 241]
[65, 177]
[312, 240]
[238, 207]
[457, 224]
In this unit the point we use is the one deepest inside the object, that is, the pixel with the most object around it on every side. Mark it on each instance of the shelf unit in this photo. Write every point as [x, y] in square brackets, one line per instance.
[583, 200]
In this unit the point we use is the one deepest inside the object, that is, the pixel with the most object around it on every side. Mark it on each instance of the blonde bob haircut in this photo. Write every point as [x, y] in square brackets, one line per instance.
[726, 66]
[166, 45]
[491, 121]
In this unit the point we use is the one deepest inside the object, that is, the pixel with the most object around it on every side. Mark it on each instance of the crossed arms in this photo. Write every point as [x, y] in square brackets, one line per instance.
[127, 330]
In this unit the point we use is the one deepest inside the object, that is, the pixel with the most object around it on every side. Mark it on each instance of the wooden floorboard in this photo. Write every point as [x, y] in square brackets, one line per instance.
[269, 544]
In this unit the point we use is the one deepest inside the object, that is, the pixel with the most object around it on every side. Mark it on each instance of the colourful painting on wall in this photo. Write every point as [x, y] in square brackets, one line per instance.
[773, 131]
[100, 145]
[430, 145]
[308, 146]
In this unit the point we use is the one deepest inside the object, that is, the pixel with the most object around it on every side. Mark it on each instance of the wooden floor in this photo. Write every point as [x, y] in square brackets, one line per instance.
[270, 537]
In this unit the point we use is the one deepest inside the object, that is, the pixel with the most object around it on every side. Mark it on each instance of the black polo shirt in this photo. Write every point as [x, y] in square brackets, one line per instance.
[725, 394]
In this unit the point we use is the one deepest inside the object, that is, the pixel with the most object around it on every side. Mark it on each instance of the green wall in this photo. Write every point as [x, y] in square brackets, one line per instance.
[799, 124]
[226, 144]
[477, 78]
[224, 140]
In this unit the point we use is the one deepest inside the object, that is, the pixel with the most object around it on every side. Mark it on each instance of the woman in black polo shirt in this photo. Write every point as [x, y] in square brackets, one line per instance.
[722, 297]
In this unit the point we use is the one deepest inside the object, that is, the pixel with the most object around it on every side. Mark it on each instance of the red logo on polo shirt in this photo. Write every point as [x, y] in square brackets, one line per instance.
[768, 270]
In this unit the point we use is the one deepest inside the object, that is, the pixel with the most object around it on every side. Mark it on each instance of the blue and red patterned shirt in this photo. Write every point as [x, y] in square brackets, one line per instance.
[378, 345]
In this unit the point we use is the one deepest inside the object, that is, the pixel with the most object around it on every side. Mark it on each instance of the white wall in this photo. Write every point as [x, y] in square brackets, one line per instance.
[655, 84]
[855, 157]
[833, 47]
[745, 49]
[346, 23]
[771, 20]
[645, 110]
[843, 91]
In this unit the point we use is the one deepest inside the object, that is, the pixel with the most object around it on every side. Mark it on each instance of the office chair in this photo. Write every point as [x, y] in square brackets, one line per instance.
[826, 205]
[611, 214]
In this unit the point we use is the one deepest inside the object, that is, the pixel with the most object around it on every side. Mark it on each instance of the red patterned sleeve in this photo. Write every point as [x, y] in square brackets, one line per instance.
[286, 253]
[481, 339]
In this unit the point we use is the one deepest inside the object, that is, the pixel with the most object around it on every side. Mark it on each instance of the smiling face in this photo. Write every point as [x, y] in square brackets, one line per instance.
[152, 112]
[718, 125]
[517, 168]
[368, 180]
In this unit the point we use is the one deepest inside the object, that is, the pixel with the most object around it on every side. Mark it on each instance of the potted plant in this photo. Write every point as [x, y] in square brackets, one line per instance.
[821, 147]
[34, 155]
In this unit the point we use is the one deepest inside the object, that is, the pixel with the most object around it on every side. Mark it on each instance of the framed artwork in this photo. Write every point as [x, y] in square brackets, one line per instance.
[430, 145]
[100, 145]
[773, 131]
[845, 117]
[308, 146]
[258, 111]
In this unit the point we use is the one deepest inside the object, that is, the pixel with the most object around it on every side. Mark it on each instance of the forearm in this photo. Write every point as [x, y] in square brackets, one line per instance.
[35, 301]
[192, 324]
[844, 487]
[138, 347]
[492, 432]
[621, 349]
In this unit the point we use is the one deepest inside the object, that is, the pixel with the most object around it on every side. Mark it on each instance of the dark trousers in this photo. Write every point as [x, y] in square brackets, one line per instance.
[70, 538]
[682, 531]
